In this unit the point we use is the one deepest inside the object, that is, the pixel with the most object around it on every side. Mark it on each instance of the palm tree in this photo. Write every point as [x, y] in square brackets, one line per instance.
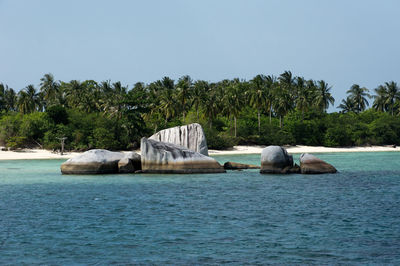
[10, 97]
[75, 92]
[113, 105]
[270, 84]
[200, 89]
[392, 95]
[91, 97]
[168, 104]
[323, 97]
[27, 100]
[49, 88]
[283, 102]
[347, 105]
[168, 83]
[359, 97]
[184, 87]
[2, 97]
[287, 80]
[211, 104]
[234, 101]
[303, 95]
[258, 95]
[380, 99]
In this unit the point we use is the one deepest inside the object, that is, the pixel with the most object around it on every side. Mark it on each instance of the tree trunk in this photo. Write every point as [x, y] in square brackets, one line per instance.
[197, 112]
[259, 122]
[270, 115]
[280, 121]
[234, 119]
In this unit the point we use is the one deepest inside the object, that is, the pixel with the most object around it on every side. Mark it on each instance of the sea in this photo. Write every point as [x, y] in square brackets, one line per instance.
[237, 218]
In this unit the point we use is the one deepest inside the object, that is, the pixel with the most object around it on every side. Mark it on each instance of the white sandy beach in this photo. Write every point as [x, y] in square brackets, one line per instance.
[45, 154]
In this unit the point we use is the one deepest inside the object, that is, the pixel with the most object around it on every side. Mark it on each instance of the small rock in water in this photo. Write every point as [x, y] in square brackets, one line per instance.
[310, 164]
[239, 166]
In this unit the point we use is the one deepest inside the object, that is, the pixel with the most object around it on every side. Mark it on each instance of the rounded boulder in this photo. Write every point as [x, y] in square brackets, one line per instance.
[96, 161]
[310, 164]
[276, 160]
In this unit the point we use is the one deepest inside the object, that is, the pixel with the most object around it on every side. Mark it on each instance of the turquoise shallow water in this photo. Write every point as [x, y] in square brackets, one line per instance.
[352, 217]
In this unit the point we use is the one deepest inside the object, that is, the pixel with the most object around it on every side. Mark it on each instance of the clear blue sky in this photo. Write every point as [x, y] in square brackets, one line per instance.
[341, 41]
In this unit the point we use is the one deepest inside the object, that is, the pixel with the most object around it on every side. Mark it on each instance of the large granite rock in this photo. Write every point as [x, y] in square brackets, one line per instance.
[130, 163]
[167, 158]
[95, 161]
[276, 160]
[190, 136]
[239, 166]
[309, 164]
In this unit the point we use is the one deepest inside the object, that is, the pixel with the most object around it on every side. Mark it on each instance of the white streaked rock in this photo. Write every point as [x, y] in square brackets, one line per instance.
[165, 158]
[190, 136]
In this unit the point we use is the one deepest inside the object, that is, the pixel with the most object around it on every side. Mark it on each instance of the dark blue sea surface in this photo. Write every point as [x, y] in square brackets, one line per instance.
[240, 217]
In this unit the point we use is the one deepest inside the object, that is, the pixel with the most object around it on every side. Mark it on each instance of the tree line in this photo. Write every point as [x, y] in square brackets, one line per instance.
[286, 109]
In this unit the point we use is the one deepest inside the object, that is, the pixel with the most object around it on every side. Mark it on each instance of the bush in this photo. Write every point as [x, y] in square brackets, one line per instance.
[385, 130]
[104, 139]
[34, 126]
[57, 114]
[338, 135]
[16, 142]
[219, 141]
[9, 126]
[51, 138]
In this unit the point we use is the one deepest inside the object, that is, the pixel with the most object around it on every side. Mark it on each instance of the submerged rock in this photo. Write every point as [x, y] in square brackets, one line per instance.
[276, 160]
[97, 161]
[190, 136]
[310, 164]
[239, 166]
[168, 158]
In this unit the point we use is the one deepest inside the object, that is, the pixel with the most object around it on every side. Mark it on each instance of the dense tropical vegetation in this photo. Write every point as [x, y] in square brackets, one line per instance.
[264, 110]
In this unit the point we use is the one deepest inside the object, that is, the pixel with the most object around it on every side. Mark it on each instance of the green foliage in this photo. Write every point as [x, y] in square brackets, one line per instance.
[337, 135]
[219, 141]
[33, 126]
[57, 114]
[385, 130]
[9, 126]
[51, 141]
[265, 110]
[104, 139]
[16, 142]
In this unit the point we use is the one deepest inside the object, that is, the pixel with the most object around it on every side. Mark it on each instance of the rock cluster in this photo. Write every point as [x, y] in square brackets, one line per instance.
[190, 136]
[276, 160]
[183, 150]
[167, 158]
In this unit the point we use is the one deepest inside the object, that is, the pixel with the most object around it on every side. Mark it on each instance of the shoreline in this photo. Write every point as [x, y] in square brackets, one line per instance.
[302, 149]
[39, 154]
